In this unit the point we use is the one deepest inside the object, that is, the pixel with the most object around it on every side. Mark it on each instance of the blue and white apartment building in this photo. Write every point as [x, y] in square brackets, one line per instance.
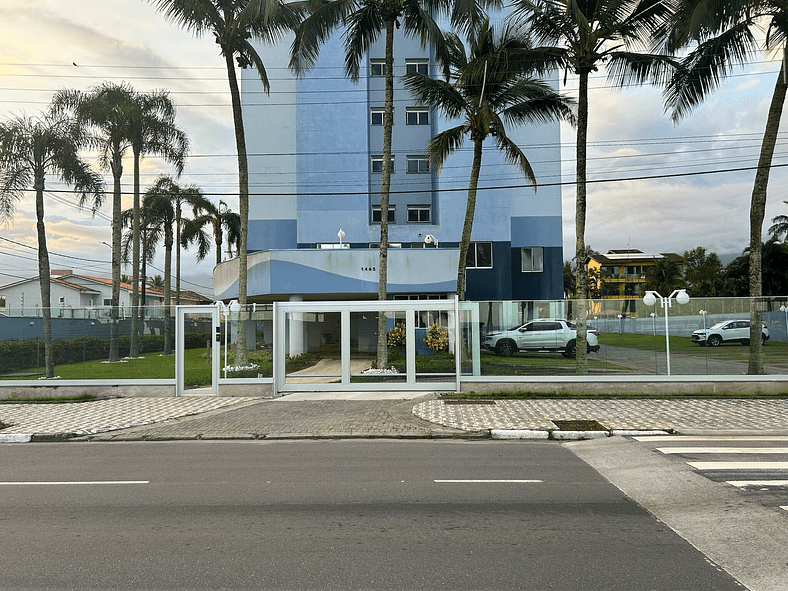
[315, 159]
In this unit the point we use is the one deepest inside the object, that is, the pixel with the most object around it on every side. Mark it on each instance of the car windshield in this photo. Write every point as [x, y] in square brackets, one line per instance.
[719, 324]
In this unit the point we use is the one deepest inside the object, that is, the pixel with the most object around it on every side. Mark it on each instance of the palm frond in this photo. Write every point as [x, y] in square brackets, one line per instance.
[444, 143]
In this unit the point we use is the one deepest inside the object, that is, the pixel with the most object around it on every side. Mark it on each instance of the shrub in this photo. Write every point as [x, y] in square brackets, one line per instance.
[437, 338]
[396, 336]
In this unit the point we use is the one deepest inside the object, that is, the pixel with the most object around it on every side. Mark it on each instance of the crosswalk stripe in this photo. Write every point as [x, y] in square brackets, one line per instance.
[743, 483]
[661, 438]
[739, 465]
[723, 450]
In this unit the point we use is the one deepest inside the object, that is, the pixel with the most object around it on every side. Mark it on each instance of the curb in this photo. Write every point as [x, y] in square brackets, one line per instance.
[567, 435]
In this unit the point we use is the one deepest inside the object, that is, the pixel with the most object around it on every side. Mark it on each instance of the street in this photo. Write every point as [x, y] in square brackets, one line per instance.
[330, 515]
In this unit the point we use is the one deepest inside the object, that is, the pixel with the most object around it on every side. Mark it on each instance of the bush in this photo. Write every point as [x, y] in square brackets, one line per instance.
[437, 338]
[395, 337]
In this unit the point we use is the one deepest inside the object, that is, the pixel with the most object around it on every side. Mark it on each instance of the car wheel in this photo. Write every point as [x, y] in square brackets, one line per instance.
[763, 339]
[569, 350]
[715, 340]
[505, 348]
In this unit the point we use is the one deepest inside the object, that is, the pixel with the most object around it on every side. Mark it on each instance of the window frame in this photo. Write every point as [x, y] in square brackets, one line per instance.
[420, 208]
[474, 247]
[418, 159]
[379, 158]
[377, 111]
[418, 112]
[375, 63]
[415, 64]
[532, 249]
[392, 214]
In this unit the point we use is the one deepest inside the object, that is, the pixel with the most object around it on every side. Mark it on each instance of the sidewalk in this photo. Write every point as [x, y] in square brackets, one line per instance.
[388, 415]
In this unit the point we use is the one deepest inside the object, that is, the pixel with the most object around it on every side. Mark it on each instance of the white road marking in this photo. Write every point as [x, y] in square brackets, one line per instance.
[743, 483]
[785, 507]
[486, 481]
[739, 465]
[660, 438]
[723, 450]
[87, 482]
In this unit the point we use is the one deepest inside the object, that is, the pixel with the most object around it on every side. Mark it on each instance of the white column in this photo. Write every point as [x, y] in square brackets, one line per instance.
[297, 342]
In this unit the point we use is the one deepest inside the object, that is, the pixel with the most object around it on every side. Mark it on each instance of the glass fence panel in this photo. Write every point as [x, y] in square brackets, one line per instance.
[364, 343]
[313, 347]
[257, 321]
[434, 342]
[81, 339]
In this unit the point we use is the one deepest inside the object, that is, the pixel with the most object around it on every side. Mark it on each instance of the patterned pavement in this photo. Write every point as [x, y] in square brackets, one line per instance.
[680, 415]
[128, 419]
[86, 418]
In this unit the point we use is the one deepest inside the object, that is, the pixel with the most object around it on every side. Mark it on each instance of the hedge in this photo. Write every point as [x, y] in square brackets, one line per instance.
[16, 355]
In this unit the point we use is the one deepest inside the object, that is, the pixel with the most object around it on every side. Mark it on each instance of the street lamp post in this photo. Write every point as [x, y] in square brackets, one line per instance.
[681, 296]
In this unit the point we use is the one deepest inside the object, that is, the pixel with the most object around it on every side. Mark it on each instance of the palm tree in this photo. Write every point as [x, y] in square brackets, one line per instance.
[150, 236]
[489, 89]
[363, 22]
[587, 34]
[152, 131]
[779, 227]
[31, 148]
[221, 219]
[156, 282]
[664, 276]
[106, 113]
[233, 25]
[725, 39]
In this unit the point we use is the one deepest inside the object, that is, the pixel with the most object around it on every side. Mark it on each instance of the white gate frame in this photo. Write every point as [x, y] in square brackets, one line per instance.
[409, 307]
[180, 312]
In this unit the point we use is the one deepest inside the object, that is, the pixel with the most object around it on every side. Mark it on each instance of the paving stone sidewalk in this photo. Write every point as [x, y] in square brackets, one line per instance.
[133, 419]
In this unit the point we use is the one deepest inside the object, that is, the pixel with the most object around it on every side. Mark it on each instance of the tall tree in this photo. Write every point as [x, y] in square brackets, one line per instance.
[152, 131]
[234, 24]
[30, 149]
[164, 202]
[490, 88]
[151, 234]
[779, 227]
[724, 36]
[589, 34]
[664, 276]
[703, 273]
[221, 219]
[363, 22]
[106, 113]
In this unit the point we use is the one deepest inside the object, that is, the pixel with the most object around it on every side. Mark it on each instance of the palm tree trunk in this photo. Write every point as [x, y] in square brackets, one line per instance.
[580, 224]
[241, 355]
[167, 293]
[218, 238]
[134, 342]
[757, 212]
[43, 277]
[385, 187]
[117, 171]
[177, 247]
[470, 210]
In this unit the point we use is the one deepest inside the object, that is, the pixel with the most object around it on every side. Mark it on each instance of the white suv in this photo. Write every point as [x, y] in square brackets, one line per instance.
[539, 335]
[727, 331]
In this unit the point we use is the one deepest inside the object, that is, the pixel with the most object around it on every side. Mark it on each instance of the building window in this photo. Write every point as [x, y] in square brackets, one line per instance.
[376, 116]
[107, 302]
[416, 66]
[419, 213]
[376, 214]
[479, 256]
[417, 116]
[417, 164]
[532, 258]
[377, 164]
[377, 67]
[423, 245]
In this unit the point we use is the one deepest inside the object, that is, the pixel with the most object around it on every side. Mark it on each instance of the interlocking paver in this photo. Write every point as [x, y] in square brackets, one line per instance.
[681, 415]
[127, 419]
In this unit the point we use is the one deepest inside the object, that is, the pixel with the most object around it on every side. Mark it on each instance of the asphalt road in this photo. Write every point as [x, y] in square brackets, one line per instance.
[330, 515]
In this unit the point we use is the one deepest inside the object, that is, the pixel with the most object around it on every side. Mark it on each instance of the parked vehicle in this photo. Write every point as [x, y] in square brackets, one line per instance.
[727, 331]
[539, 335]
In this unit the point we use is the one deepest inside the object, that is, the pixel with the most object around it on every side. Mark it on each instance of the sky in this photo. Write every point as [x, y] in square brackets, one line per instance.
[661, 186]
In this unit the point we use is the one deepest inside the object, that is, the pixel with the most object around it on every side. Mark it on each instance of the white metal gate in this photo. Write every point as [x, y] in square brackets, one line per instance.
[191, 368]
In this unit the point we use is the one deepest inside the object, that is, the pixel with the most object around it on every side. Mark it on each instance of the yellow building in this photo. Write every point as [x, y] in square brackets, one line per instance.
[622, 273]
